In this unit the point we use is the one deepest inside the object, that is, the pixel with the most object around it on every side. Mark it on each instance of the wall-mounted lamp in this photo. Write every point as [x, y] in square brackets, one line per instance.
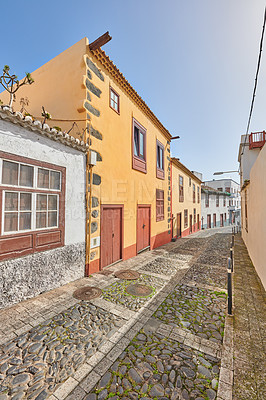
[175, 137]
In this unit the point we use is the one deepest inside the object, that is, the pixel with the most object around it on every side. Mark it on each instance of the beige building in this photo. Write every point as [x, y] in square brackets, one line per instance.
[186, 200]
[252, 159]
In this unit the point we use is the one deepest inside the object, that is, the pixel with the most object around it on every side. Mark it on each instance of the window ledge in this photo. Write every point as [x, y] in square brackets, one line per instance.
[159, 173]
[139, 164]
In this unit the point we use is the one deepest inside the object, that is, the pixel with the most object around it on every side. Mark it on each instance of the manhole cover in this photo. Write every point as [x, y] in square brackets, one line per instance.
[127, 274]
[87, 293]
[137, 289]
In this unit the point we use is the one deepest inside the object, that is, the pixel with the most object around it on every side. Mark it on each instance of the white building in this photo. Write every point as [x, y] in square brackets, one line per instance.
[214, 207]
[42, 206]
[232, 187]
[252, 159]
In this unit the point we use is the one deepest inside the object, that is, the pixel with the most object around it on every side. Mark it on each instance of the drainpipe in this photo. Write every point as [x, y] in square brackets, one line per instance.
[172, 217]
[88, 205]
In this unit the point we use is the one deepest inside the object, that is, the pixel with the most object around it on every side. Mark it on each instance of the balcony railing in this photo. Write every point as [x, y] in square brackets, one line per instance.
[257, 140]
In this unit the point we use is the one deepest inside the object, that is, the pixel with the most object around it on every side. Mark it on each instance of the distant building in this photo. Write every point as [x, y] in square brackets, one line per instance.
[186, 195]
[198, 174]
[234, 205]
[252, 159]
[214, 207]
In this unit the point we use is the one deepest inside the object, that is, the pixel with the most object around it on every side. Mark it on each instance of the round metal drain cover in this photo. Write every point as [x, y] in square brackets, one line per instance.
[137, 289]
[87, 293]
[127, 274]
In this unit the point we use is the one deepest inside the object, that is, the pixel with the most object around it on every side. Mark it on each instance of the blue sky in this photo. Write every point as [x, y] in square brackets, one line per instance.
[192, 61]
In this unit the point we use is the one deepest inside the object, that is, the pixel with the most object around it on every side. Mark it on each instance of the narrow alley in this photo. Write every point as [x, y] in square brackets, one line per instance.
[163, 335]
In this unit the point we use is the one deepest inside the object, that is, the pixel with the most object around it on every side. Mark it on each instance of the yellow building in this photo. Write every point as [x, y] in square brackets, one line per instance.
[130, 193]
[186, 200]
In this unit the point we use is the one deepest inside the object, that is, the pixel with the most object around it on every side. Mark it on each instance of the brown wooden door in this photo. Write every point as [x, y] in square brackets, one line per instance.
[198, 221]
[214, 220]
[209, 221]
[111, 235]
[190, 223]
[221, 220]
[143, 227]
[178, 224]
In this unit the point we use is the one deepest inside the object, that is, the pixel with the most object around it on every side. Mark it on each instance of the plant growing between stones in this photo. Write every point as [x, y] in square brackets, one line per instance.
[11, 83]
[46, 115]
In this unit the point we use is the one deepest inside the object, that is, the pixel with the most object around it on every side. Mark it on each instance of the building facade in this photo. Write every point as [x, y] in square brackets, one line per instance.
[186, 200]
[232, 187]
[214, 207]
[129, 205]
[42, 205]
[252, 159]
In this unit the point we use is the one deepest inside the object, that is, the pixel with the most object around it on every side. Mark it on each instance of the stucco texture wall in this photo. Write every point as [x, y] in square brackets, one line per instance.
[255, 237]
[179, 207]
[212, 209]
[120, 183]
[58, 87]
[27, 276]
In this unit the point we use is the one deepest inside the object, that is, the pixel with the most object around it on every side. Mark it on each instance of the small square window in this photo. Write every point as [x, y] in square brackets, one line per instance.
[43, 178]
[114, 100]
[48, 179]
[26, 176]
[10, 173]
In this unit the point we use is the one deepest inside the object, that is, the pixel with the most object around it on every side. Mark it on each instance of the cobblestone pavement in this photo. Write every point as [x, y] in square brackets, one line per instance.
[174, 343]
[249, 329]
[200, 310]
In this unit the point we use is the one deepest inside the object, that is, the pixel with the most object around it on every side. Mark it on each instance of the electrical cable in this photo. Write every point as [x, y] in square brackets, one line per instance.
[256, 81]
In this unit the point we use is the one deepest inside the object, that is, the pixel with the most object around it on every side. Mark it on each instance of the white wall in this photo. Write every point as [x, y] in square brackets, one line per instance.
[247, 159]
[212, 209]
[20, 141]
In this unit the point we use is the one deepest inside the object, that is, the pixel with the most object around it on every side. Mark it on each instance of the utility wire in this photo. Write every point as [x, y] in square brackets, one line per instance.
[256, 81]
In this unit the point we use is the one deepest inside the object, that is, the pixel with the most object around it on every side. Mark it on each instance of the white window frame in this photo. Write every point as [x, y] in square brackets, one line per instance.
[33, 212]
[35, 176]
[33, 190]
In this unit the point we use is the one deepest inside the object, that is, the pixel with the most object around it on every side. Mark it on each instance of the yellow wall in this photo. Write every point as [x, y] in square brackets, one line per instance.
[120, 183]
[60, 86]
[179, 207]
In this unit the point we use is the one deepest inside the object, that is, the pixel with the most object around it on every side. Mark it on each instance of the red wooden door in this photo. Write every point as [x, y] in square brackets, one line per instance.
[178, 224]
[190, 223]
[209, 221]
[221, 220]
[143, 227]
[111, 235]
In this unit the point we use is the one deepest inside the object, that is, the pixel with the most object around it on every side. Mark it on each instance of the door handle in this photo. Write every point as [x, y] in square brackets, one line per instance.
[113, 235]
[143, 226]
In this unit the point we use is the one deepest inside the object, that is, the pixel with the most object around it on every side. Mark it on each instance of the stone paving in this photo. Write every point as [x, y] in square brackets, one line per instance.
[35, 363]
[249, 329]
[176, 343]
[207, 275]
[116, 292]
[156, 367]
[200, 310]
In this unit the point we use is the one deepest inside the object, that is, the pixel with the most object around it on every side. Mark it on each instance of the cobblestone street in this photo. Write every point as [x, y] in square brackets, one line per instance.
[173, 342]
